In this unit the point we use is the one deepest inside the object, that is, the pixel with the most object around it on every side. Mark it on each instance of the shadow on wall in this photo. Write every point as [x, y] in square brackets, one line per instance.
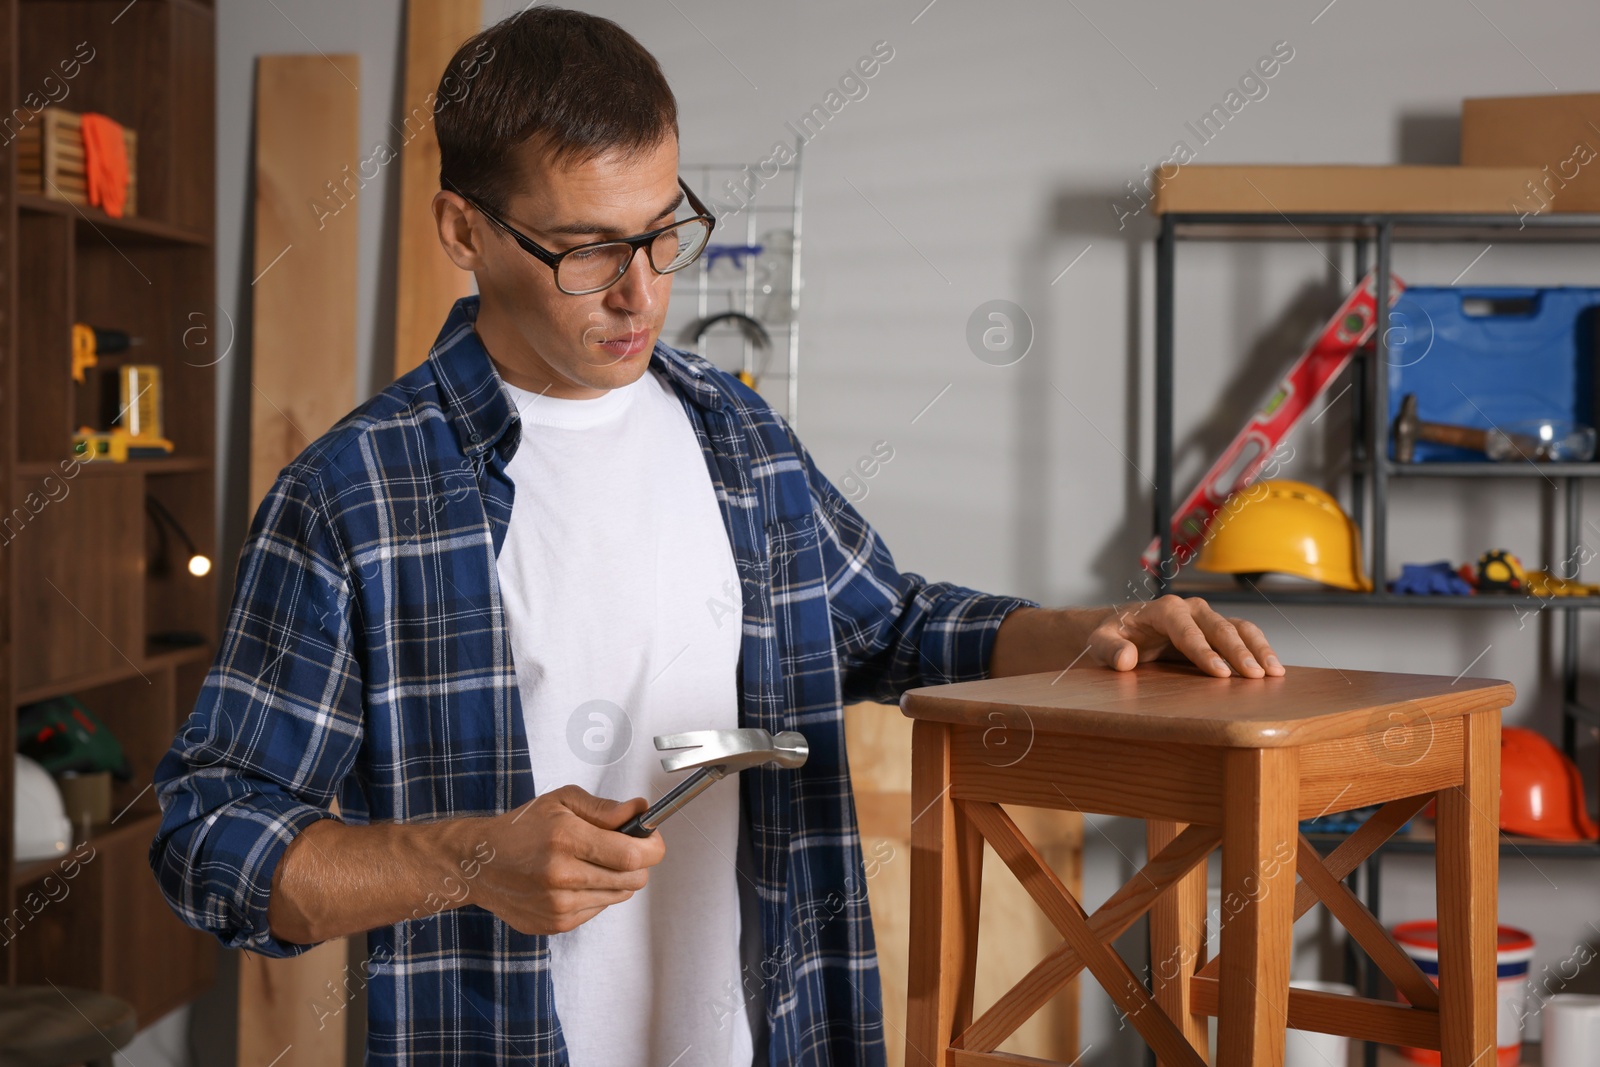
[1429, 138]
[1073, 218]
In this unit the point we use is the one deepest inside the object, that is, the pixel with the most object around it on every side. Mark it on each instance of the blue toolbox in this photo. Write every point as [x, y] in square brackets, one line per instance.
[1491, 357]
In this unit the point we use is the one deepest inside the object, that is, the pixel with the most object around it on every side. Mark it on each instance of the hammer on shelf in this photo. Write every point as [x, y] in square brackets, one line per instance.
[716, 753]
[1495, 443]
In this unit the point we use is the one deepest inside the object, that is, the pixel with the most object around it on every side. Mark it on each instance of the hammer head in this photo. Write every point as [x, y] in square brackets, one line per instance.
[732, 750]
[1405, 429]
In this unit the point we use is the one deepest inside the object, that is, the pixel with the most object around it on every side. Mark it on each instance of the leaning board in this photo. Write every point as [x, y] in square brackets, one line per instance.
[304, 278]
[426, 281]
[303, 344]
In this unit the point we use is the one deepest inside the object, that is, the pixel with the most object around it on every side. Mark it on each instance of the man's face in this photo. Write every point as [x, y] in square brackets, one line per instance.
[552, 342]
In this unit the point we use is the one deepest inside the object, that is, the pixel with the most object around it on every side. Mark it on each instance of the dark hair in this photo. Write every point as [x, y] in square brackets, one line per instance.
[577, 83]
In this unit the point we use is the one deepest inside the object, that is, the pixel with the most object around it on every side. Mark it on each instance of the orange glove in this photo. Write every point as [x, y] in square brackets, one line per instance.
[105, 161]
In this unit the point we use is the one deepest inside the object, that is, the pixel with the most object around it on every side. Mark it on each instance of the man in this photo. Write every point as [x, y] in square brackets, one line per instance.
[463, 612]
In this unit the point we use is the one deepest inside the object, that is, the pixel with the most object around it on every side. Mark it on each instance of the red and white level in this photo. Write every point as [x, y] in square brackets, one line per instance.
[1350, 328]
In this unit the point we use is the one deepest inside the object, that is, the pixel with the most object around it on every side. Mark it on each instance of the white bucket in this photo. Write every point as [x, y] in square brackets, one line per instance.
[1305, 1048]
[1571, 1024]
[1512, 959]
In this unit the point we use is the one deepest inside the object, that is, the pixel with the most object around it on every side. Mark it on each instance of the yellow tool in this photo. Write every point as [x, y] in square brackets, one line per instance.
[117, 445]
[137, 433]
[1543, 583]
[89, 344]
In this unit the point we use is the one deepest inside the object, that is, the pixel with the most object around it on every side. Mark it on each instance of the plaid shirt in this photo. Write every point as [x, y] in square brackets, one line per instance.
[366, 659]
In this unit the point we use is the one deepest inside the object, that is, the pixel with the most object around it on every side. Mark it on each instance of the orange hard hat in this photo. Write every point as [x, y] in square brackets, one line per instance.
[1541, 791]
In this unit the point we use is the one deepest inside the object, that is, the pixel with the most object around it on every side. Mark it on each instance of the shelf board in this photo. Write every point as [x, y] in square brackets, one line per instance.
[1301, 226]
[1550, 471]
[155, 658]
[129, 228]
[167, 465]
[1420, 839]
[1229, 594]
[140, 823]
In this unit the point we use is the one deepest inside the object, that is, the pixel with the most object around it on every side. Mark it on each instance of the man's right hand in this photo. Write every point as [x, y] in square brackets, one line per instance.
[558, 860]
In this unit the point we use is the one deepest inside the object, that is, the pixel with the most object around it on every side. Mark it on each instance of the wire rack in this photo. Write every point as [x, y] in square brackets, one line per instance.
[753, 209]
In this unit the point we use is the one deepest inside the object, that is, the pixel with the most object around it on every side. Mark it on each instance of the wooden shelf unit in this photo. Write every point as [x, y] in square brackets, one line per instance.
[88, 588]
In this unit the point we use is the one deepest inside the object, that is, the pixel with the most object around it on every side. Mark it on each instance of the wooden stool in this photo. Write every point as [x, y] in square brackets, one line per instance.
[1235, 762]
[45, 1026]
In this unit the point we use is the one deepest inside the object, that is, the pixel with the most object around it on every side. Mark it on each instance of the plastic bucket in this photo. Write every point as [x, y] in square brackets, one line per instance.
[1513, 956]
[1305, 1048]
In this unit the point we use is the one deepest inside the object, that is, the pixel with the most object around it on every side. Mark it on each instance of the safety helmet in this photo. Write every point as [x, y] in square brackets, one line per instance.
[1541, 791]
[40, 827]
[1286, 527]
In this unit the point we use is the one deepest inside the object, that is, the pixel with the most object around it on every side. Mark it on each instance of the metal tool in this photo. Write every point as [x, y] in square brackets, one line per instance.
[716, 753]
[1496, 443]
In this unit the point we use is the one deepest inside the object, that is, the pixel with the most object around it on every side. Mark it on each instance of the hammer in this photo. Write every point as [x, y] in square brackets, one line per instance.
[716, 753]
[1494, 443]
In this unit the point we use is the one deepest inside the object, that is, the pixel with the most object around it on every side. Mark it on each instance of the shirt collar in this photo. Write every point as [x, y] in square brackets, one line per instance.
[479, 409]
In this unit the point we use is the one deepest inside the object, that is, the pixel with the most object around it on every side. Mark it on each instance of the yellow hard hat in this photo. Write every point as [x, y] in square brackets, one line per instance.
[1285, 527]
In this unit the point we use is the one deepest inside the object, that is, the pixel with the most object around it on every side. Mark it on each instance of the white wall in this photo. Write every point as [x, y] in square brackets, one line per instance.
[985, 158]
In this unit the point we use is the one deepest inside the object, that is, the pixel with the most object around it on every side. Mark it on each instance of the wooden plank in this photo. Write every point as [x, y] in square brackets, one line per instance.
[289, 1002]
[1201, 188]
[1147, 779]
[303, 370]
[1334, 1013]
[1468, 893]
[304, 333]
[1259, 839]
[1177, 936]
[426, 281]
[1177, 704]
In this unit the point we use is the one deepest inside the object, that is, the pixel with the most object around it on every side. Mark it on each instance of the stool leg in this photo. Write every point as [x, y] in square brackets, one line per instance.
[1260, 832]
[1468, 882]
[1177, 938]
[946, 869]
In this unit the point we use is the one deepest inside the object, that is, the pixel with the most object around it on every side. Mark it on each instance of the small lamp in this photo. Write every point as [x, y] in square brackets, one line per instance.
[199, 563]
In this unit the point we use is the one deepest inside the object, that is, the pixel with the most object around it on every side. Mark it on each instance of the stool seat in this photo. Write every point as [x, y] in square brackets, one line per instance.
[60, 1026]
[1176, 702]
[1208, 762]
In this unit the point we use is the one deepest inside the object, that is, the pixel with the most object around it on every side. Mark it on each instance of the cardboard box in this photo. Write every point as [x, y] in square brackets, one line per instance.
[1350, 189]
[1559, 135]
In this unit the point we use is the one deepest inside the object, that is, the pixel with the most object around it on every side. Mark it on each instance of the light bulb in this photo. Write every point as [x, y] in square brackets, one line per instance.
[199, 565]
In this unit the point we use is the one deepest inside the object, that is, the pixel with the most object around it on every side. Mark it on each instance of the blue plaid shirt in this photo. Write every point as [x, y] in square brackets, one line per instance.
[366, 660]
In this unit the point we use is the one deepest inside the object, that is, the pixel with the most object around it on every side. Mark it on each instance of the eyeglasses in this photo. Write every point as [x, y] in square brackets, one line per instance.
[594, 267]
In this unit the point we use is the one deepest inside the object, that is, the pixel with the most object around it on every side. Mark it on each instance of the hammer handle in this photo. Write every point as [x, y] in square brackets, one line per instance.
[643, 825]
[1441, 433]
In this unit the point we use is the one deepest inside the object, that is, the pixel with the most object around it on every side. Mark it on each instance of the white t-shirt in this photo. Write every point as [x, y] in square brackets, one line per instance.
[623, 604]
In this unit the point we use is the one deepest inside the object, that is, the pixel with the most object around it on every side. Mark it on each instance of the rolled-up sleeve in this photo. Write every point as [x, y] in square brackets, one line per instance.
[895, 630]
[274, 731]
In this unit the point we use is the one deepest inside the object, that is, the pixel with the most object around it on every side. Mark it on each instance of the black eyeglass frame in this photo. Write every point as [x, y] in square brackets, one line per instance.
[643, 240]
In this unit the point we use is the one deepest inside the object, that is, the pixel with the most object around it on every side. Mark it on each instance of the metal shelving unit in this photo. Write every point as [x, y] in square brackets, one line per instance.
[776, 204]
[1371, 470]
